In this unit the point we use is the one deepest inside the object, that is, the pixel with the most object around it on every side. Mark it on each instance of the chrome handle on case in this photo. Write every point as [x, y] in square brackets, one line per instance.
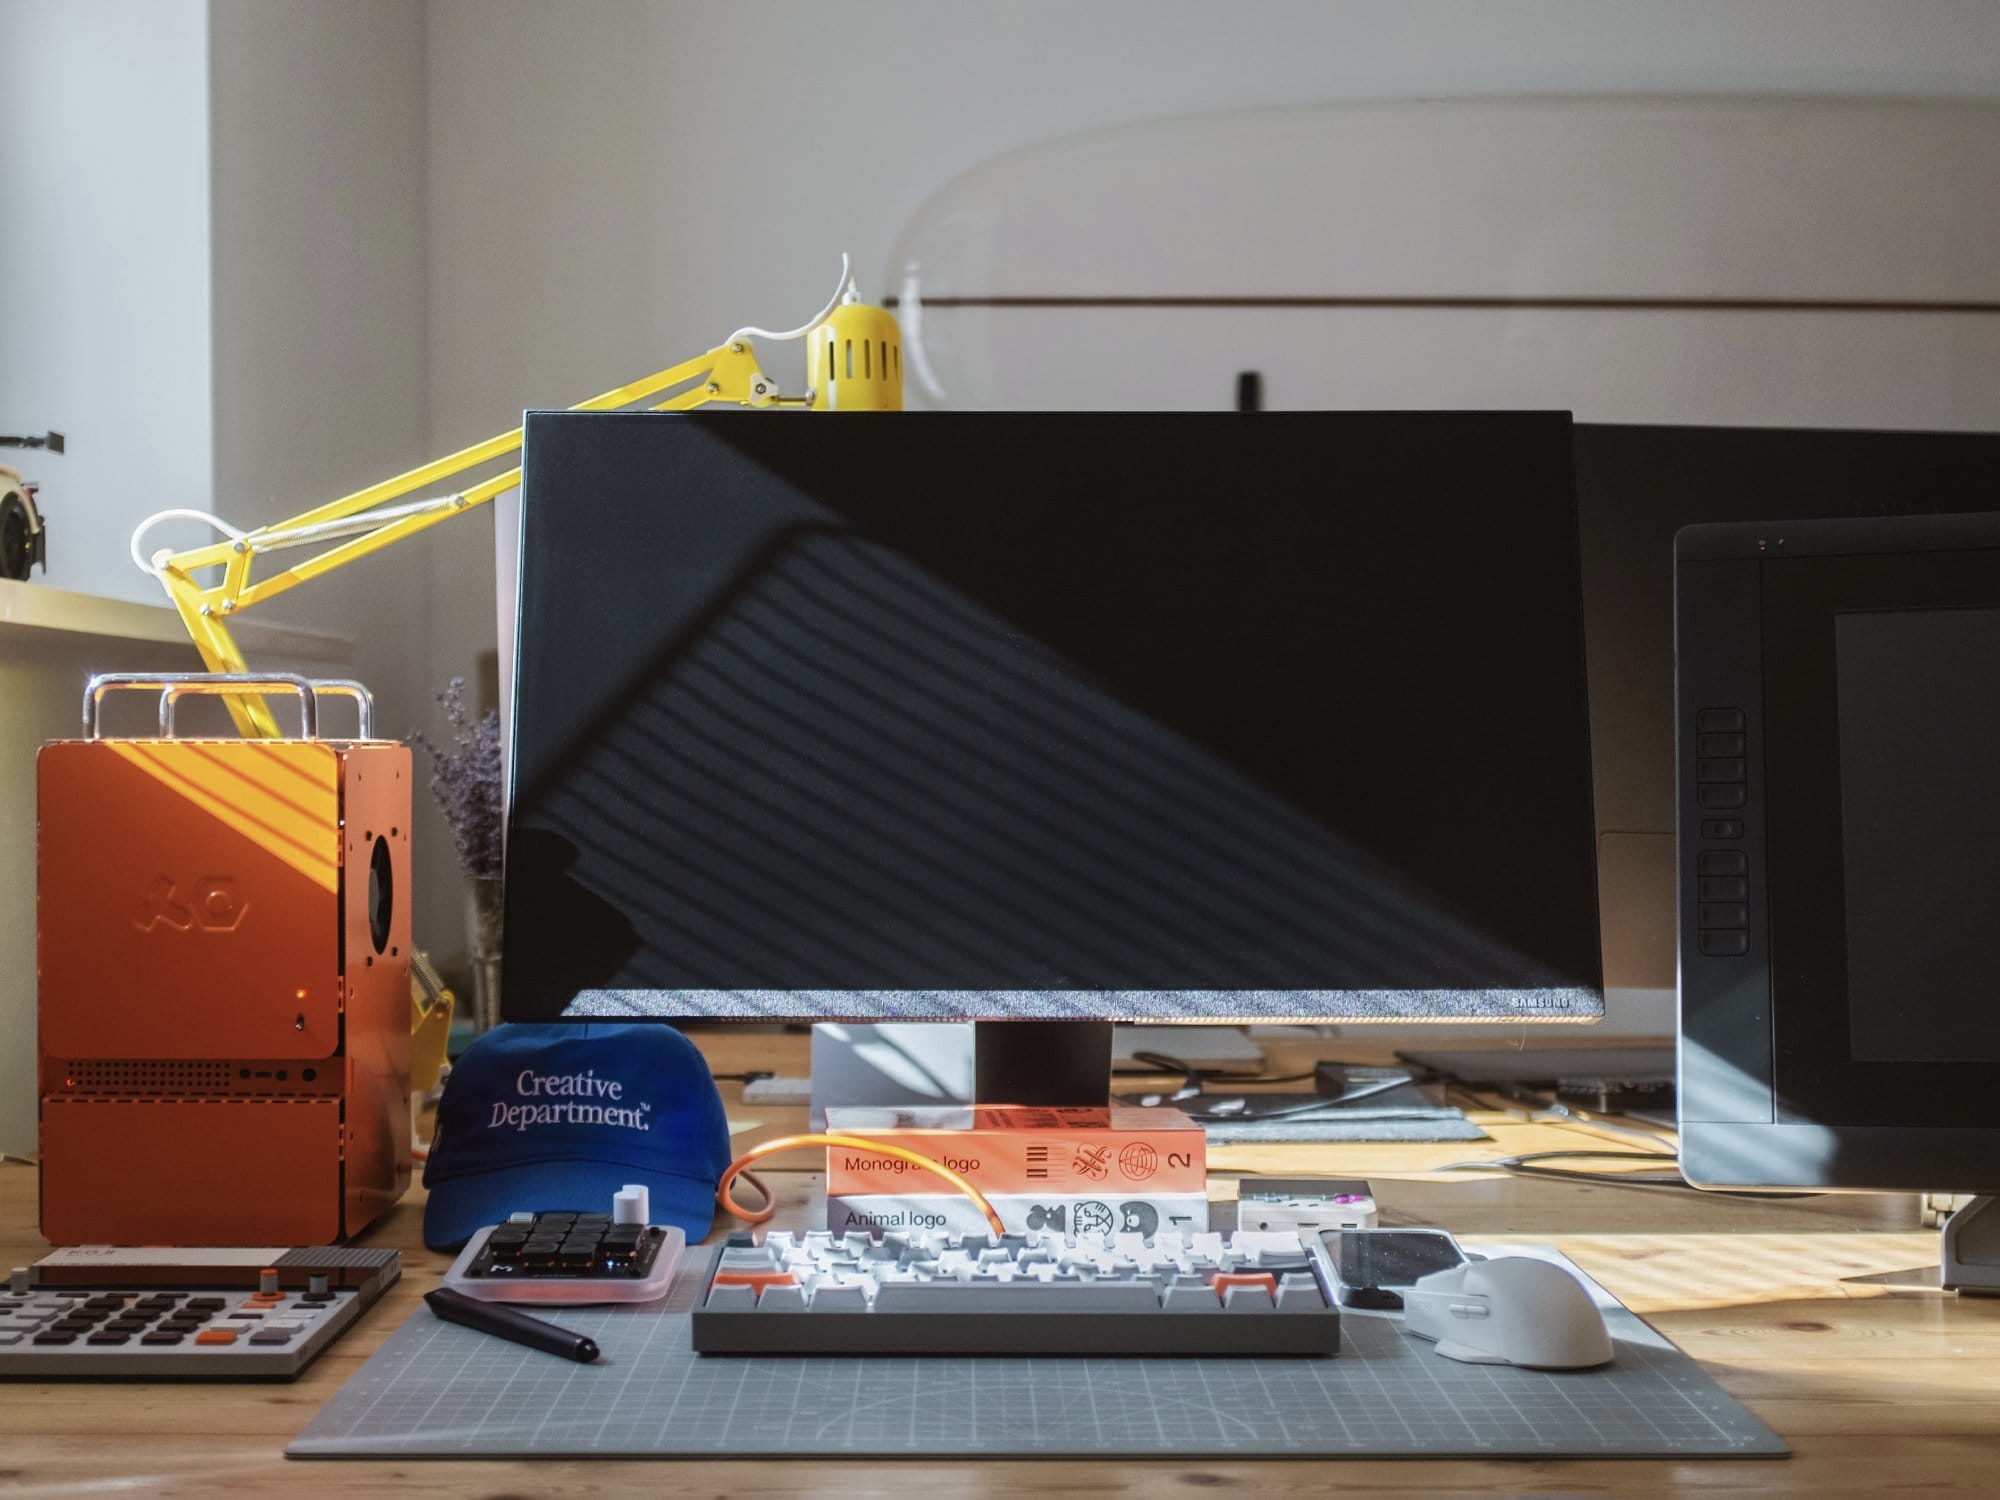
[364, 701]
[171, 686]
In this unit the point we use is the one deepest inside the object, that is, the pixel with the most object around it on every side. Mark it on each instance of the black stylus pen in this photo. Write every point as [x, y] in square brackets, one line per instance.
[503, 1322]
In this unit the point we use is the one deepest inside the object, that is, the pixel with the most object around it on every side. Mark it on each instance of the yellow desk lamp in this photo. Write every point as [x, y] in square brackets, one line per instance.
[854, 362]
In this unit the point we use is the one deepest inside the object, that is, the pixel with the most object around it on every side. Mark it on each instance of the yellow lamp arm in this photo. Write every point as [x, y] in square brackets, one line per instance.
[366, 522]
[853, 360]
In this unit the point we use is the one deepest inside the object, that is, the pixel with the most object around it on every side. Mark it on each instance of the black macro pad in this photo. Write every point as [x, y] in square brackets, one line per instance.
[567, 1245]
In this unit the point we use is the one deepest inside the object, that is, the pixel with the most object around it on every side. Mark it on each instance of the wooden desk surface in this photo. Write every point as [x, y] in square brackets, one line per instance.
[1877, 1390]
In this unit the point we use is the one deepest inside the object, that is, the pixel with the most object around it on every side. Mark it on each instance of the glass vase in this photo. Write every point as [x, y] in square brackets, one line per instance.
[484, 911]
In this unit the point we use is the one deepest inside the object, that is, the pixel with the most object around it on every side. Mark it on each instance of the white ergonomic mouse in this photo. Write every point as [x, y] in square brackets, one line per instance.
[1513, 1310]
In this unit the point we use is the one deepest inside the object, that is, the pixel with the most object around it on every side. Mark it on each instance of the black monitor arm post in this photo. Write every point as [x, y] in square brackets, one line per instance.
[1049, 1063]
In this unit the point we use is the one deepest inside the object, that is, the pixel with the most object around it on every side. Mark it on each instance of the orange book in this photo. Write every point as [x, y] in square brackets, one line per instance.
[1021, 1149]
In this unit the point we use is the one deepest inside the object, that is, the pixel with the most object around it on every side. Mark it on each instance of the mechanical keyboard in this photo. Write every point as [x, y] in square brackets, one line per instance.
[1255, 1293]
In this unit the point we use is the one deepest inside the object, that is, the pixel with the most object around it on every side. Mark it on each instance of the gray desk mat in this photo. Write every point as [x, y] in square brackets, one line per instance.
[435, 1390]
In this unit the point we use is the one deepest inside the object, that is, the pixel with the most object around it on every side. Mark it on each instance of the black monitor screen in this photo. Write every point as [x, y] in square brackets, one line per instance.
[1106, 715]
[1920, 823]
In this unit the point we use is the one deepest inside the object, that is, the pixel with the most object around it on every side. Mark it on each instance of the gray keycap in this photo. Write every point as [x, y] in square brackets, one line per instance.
[1190, 1297]
[1019, 1296]
[1300, 1289]
[827, 1299]
[1246, 1299]
[731, 1299]
[270, 1336]
[782, 1299]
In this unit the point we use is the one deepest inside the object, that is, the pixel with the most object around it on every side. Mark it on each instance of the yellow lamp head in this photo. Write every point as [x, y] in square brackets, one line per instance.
[854, 359]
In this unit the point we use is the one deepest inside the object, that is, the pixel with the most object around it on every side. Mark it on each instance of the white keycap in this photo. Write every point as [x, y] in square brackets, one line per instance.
[1252, 1242]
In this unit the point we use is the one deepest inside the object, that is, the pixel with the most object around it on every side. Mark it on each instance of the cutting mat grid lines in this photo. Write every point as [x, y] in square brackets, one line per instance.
[437, 1390]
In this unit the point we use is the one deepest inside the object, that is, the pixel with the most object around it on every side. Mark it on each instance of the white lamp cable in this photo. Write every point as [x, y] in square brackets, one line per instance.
[845, 292]
[152, 568]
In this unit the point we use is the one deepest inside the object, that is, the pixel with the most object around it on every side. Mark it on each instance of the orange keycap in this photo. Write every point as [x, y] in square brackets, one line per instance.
[758, 1279]
[1228, 1279]
[215, 1336]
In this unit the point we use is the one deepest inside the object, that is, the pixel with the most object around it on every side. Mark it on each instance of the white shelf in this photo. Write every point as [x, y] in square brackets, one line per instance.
[30, 612]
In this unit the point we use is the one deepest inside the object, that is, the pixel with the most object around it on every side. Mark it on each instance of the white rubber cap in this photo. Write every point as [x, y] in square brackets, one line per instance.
[631, 1204]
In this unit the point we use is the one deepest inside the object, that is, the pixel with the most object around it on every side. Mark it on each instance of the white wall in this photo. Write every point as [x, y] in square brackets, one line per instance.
[104, 317]
[251, 350]
[317, 143]
[104, 309]
[615, 186]
[317, 130]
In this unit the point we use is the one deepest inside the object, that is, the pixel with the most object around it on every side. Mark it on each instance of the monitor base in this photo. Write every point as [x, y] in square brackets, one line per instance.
[1969, 1249]
[926, 1064]
[1052, 1063]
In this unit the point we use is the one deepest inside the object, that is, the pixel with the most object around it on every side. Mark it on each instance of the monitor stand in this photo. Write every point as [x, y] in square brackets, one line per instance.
[1969, 1250]
[919, 1064]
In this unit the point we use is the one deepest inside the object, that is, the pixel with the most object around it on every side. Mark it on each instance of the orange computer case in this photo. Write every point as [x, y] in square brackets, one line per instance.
[224, 950]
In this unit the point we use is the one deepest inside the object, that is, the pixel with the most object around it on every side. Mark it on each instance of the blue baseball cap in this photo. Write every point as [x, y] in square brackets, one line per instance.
[550, 1118]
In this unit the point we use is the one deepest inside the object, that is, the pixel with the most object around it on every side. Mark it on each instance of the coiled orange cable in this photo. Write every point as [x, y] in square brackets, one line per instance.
[850, 1143]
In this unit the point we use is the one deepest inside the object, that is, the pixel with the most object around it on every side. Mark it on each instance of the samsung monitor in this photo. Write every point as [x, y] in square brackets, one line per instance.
[1050, 717]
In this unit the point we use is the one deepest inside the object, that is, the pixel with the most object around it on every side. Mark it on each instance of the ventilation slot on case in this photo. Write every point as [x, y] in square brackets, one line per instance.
[107, 1076]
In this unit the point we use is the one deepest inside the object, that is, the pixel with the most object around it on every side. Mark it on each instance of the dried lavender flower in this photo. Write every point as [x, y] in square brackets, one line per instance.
[466, 780]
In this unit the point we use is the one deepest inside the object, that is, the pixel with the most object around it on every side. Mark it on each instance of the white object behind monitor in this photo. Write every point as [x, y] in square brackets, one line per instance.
[1729, 261]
